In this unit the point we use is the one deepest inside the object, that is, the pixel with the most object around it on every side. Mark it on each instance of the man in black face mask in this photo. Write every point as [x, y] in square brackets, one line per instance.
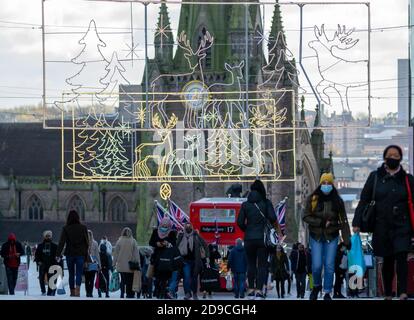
[391, 187]
[194, 250]
[45, 257]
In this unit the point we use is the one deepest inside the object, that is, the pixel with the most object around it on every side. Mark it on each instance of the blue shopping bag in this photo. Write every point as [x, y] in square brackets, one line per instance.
[115, 282]
[356, 259]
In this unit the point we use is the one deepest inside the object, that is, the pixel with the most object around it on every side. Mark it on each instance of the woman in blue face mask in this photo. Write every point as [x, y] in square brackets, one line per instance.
[163, 237]
[325, 215]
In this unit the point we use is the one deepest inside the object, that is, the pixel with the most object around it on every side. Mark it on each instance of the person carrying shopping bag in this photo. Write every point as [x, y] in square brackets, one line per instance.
[325, 214]
[384, 210]
[126, 256]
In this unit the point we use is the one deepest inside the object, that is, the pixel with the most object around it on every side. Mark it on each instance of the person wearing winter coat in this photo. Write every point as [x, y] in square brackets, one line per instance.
[252, 223]
[74, 239]
[106, 266]
[237, 263]
[126, 250]
[279, 268]
[214, 255]
[325, 215]
[391, 237]
[162, 238]
[11, 251]
[45, 257]
[93, 259]
[193, 249]
[145, 254]
[299, 260]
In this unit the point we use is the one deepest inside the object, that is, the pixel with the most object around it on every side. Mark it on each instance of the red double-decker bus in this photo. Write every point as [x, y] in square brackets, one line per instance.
[210, 215]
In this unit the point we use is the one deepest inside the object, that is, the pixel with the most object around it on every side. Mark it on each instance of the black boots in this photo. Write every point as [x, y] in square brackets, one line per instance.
[315, 292]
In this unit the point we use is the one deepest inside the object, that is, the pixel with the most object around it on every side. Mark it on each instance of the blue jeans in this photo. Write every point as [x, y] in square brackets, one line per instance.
[190, 281]
[239, 283]
[323, 255]
[172, 283]
[75, 263]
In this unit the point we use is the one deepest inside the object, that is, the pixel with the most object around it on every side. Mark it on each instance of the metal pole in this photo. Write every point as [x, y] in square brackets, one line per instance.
[410, 122]
[147, 122]
[369, 64]
[132, 37]
[246, 21]
[301, 56]
[44, 65]
[134, 125]
[409, 69]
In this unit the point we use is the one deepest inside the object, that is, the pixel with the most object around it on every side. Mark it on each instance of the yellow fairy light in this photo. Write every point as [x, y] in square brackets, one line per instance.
[222, 150]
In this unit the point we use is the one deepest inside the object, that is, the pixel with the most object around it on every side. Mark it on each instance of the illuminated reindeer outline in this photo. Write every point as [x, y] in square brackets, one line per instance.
[141, 165]
[159, 100]
[236, 76]
[189, 167]
[328, 61]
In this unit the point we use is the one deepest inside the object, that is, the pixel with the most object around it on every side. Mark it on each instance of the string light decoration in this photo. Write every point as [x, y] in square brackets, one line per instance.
[110, 158]
[189, 125]
[162, 30]
[231, 151]
[132, 51]
[217, 110]
[331, 53]
[324, 53]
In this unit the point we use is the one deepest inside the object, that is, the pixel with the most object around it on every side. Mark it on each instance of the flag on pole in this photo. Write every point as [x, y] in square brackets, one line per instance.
[281, 214]
[178, 213]
[216, 232]
[162, 212]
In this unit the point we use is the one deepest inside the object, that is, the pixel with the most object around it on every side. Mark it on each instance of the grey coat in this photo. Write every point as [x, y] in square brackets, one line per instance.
[94, 252]
[126, 249]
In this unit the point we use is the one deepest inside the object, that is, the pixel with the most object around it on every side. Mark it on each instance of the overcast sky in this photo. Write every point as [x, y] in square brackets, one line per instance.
[21, 43]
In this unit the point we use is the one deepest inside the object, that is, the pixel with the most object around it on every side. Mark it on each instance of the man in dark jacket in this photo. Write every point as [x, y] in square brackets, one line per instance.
[252, 219]
[45, 257]
[391, 238]
[299, 260]
[193, 249]
[237, 263]
[11, 252]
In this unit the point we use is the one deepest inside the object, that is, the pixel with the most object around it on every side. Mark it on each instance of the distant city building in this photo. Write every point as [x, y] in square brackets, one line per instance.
[344, 134]
[403, 91]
